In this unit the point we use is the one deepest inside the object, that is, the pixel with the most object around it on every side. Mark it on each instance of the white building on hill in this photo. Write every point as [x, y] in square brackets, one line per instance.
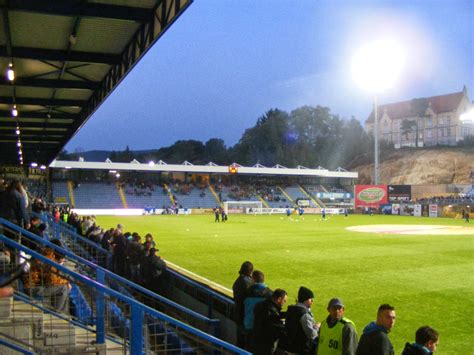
[425, 121]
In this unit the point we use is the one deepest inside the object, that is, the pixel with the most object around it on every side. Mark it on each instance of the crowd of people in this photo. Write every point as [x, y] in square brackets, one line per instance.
[264, 328]
[132, 258]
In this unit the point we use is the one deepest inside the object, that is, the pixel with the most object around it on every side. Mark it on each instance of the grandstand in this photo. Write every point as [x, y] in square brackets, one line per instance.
[165, 185]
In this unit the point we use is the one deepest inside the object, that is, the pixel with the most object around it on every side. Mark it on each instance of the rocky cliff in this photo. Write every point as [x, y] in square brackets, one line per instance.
[422, 167]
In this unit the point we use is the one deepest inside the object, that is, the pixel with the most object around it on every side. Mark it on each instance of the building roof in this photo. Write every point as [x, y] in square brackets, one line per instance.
[439, 104]
[68, 56]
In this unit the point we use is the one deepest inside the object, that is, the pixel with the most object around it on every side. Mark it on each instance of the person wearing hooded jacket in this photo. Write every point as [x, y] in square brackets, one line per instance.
[374, 339]
[426, 342]
[256, 293]
[301, 330]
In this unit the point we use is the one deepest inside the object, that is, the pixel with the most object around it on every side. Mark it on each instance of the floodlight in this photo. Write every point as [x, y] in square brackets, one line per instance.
[10, 72]
[151, 163]
[377, 65]
[14, 111]
[34, 165]
[117, 175]
[17, 132]
[467, 117]
[43, 167]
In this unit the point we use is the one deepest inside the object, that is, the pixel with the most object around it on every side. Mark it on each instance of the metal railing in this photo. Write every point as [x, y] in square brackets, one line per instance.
[137, 327]
[213, 299]
[114, 281]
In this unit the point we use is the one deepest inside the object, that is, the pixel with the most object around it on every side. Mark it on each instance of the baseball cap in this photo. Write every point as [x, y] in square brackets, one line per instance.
[335, 302]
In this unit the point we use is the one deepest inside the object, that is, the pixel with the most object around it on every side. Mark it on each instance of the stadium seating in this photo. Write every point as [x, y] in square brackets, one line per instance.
[156, 199]
[295, 193]
[60, 192]
[195, 200]
[97, 195]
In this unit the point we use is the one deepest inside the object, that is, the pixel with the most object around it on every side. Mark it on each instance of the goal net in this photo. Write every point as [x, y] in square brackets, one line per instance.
[242, 206]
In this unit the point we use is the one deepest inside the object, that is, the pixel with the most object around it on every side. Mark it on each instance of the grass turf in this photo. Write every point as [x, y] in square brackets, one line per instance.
[429, 279]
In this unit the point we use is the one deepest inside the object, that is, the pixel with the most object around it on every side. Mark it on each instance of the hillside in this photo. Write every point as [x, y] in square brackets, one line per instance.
[422, 167]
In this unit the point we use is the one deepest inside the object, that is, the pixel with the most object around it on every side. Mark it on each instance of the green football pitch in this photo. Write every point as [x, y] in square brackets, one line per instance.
[428, 278]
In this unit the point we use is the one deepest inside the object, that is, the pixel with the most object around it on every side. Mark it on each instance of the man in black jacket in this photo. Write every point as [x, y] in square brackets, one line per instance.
[240, 286]
[374, 339]
[268, 326]
[426, 342]
[301, 328]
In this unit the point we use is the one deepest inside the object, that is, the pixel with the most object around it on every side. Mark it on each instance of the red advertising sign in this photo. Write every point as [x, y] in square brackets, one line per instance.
[370, 195]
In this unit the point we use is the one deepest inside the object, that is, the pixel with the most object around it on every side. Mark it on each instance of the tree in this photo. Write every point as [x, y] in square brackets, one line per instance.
[216, 151]
[265, 142]
[418, 109]
[407, 128]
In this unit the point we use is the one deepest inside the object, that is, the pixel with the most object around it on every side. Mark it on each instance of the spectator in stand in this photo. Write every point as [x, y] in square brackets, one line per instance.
[255, 294]
[135, 255]
[56, 215]
[119, 256]
[374, 339]
[337, 334]
[268, 325]
[36, 227]
[426, 342]
[13, 206]
[240, 286]
[149, 238]
[44, 280]
[301, 329]
[38, 205]
[155, 268]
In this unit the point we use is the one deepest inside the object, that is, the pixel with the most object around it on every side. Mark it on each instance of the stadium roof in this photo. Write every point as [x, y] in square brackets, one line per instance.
[67, 56]
[210, 168]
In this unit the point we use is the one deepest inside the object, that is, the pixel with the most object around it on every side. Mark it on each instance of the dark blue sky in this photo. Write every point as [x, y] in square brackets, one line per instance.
[225, 63]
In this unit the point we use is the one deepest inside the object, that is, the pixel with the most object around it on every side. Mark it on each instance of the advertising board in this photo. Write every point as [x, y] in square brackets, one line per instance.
[417, 210]
[399, 193]
[433, 210]
[370, 195]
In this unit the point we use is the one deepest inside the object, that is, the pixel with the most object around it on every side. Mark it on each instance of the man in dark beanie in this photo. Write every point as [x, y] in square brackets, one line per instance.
[302, 330]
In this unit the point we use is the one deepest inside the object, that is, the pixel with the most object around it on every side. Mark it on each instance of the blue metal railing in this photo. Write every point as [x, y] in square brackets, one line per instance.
[15, 347]
[140, 314]
[210, 296]
[117, 282]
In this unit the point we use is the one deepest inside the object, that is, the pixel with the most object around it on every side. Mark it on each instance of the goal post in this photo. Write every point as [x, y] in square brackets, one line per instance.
[241, 206]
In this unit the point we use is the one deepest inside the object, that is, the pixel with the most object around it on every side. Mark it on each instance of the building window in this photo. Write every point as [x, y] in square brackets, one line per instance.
[448, 133]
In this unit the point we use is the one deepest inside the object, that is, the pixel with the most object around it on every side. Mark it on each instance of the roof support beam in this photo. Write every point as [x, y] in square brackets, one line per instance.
[60, 55]
[51, 83]
[41, 115]
[165, 13]
[79, 8]
[26, 125]
[41, 102]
